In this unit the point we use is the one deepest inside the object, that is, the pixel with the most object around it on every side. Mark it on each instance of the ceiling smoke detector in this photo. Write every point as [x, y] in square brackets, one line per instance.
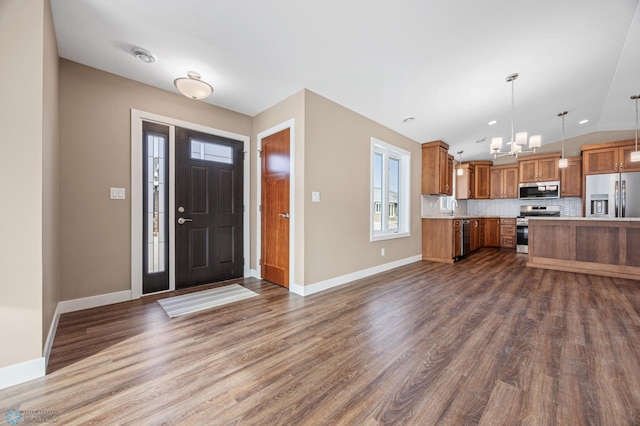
[144, 55]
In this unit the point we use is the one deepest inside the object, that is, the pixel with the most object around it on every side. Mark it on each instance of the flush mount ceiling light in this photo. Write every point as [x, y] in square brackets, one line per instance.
[585, 121]
[518, 140]
[408, 120]
[563, 163]
[192, 87]
[635, 155]
[144, 55]
[492, 122]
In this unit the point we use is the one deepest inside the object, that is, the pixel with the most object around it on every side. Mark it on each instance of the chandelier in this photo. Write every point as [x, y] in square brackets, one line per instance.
[518, 140]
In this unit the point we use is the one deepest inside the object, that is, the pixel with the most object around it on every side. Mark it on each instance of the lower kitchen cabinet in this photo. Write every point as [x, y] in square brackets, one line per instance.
[508, 233]
[492, 232]
[438, 240]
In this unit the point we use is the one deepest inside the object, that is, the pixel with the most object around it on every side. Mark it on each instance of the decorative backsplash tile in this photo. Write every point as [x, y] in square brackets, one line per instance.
[571, 206]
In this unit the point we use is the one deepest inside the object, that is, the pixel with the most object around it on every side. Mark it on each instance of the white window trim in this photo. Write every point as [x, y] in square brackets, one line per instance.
[404, 199]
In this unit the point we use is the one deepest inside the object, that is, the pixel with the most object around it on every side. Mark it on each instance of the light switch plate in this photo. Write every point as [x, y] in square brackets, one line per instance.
[315, 197]
[118, 193]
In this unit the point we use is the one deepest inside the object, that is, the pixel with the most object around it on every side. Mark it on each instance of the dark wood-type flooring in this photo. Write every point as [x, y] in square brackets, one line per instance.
[485, 341]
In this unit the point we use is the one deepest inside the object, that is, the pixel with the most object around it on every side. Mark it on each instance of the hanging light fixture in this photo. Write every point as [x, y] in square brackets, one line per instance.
[192, 87]
[563, 163]
[518, 140]
[459, 171]
[635, 155]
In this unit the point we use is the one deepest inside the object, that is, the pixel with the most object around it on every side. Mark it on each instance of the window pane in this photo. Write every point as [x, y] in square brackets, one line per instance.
[155, 202]
[211, 152]
[394, 193]
[377, 192]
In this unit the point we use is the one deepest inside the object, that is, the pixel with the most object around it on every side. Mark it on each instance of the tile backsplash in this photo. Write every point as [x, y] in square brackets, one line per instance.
[431, 206]
[570, 206]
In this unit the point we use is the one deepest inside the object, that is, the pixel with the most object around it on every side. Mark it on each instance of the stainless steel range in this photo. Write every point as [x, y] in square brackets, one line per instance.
[522, 223]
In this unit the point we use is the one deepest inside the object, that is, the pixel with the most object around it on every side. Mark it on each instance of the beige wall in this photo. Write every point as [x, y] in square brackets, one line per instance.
[94, 156]
[292, 108]
[332, 156]
[50, 171]
[21, 178]
[338, 164]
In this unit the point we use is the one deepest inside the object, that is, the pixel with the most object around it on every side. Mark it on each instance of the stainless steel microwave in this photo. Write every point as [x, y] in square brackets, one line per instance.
[537, 190]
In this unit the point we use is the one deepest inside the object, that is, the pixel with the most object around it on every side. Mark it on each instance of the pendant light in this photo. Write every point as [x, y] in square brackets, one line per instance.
[192, 87]
[563, 163]
[518, 140]
[635, 155]
[459, 171]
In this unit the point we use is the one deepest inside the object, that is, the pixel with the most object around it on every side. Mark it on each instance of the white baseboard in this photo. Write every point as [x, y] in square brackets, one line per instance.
[52, 334]
[93, 301]
[344, 279]
[23, 372]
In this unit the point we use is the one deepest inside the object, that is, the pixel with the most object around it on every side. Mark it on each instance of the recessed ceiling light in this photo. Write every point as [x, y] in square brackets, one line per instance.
[583, 121]
[408, 120]
[492, 122]
[481, 140]
[143, 54]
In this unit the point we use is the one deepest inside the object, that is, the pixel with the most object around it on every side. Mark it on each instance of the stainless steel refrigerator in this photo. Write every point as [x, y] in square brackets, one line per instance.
[613, 195]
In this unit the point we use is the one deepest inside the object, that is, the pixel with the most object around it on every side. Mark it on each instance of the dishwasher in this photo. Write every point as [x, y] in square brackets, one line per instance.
[465, 236]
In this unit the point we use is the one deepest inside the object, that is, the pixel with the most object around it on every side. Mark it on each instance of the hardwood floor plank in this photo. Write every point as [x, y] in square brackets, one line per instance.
[482, 341]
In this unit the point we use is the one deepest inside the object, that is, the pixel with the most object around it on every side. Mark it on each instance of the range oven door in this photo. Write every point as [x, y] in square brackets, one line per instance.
[522, 238]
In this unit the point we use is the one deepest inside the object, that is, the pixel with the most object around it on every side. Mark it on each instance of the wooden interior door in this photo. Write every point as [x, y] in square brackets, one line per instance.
[209, 209]
[275, 208]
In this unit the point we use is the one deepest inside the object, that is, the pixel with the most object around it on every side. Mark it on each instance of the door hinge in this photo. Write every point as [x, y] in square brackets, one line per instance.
[260, 262]
[260, 208]
[259, 153]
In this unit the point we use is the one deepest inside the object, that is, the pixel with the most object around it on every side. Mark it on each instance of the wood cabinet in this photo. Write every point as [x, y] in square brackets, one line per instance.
[504, 181]
[508, 233]
[474, 236]
[482, 179]
[441, 240]
[465, 177]
[457, 239]
[600, 247]
[609, 157]
[492, 232]
[449, 176]
[571, 178]
[539, 168]
[437, 169]
[473, 181]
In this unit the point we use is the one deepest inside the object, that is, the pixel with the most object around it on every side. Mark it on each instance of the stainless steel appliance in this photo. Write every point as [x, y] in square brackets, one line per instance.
[522, 223]
[613, 195]
[537, 190]
[466, 236]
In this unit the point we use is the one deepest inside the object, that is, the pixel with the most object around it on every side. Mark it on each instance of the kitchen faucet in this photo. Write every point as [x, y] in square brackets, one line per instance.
[454, 206]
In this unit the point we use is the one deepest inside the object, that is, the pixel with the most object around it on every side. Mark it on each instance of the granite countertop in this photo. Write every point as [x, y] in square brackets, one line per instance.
[458, 216]
[600, 219]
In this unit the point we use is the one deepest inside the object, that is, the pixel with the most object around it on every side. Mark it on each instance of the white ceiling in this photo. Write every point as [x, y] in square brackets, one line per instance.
[442, 61]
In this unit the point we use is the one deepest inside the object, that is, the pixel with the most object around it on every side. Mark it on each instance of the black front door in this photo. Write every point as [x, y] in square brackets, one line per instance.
[209, 209]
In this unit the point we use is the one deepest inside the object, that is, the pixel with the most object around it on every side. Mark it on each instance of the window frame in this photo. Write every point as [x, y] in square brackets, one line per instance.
[388, 150]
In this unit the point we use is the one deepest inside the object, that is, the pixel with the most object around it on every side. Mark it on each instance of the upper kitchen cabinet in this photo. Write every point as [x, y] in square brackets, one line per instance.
[612, 157]
[539, 168]
[472, 180]
[504, 181]
[571, 178]
[437, 169]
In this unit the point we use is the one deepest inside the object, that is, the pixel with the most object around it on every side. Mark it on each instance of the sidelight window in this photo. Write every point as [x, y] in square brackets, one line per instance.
[390, 191]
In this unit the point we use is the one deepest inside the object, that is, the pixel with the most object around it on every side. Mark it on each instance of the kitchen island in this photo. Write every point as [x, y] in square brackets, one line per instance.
[609, 247]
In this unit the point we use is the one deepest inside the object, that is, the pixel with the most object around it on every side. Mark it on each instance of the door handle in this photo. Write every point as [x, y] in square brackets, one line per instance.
[617, 196]
[624, 198]
[182, 220]
[285, 215]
